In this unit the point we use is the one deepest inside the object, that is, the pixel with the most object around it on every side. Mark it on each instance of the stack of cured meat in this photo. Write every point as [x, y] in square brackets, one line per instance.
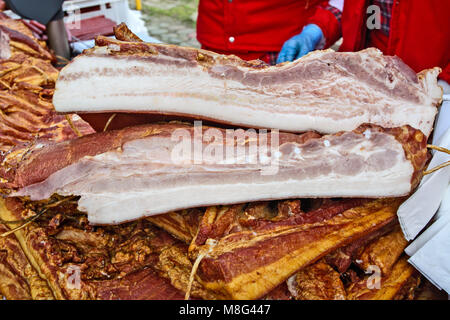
[121, 215]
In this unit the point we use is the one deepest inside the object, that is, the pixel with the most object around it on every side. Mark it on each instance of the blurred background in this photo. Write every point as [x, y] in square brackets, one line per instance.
[70, 26]
[171, 21]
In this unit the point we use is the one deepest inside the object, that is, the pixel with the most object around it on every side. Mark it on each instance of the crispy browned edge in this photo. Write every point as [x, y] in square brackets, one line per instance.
[400, 283]
[281, 254]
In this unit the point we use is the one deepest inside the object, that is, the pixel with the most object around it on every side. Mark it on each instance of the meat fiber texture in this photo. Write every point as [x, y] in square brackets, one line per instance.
[27, 80]
[71, 260]
[138, 171]
[324, 91]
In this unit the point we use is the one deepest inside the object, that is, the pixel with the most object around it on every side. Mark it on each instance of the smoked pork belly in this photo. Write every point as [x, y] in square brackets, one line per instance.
[400, 284]
[18, 279]
[325, 91]
[132, 173]
[250, 256]
[77, 261]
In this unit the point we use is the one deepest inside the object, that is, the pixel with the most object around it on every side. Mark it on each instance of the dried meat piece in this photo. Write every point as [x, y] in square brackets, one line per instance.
[183, 224]
[248, 264]
[400, 284]
[21, 40]
[383, 252]
[317, 282]
[79, 261]
[342, 258]
[19, 280]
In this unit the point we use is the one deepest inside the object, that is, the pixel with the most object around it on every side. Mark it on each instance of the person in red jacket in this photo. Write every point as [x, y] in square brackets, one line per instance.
[417, 31]
[255, 29]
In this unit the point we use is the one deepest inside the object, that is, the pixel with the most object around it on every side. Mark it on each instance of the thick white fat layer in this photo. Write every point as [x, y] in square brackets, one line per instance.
[125, 206]
[135, 85]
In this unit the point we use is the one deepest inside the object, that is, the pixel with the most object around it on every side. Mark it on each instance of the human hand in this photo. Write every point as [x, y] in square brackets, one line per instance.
[301, 44]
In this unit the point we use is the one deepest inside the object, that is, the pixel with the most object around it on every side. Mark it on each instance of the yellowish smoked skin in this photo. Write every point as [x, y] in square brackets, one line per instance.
[399, 284]
[32, 255]
[384, 252]
[355, 223]
[38, 287]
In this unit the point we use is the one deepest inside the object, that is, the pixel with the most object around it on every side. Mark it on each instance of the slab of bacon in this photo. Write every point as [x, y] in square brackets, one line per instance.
[324, 91]
[127, 174]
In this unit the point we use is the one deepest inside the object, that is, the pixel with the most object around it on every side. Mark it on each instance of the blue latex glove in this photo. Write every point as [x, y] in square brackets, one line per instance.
[301, 44]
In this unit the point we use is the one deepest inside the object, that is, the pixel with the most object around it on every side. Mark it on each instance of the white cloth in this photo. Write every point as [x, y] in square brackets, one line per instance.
[430, 252]
[416, 212]
[443, 118]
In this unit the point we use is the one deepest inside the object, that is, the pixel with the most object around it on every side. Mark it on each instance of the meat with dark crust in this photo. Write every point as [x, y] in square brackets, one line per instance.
[248, 263]
[83, 262]
[400, 284]
[18, 278]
